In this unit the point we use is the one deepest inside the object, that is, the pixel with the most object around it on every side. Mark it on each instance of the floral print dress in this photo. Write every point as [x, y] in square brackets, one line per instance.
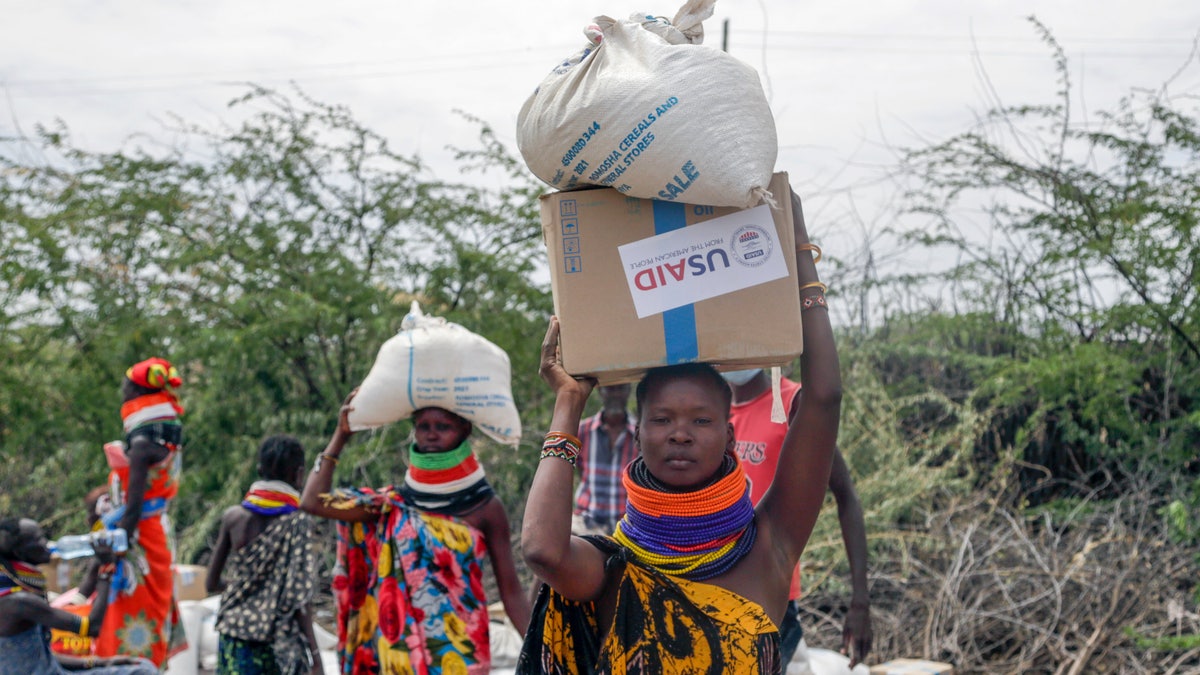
[409, 591]
[143, 617]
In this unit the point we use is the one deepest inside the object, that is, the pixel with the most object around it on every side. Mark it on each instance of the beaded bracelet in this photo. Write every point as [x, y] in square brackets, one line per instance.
[561, 445]
[106, 571]
[811, 301]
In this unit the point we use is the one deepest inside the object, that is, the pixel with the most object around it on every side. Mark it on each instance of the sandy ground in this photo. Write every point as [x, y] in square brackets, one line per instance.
[199, 619]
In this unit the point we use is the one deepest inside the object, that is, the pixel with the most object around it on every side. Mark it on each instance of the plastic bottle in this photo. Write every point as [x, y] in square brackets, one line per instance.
[81, 545]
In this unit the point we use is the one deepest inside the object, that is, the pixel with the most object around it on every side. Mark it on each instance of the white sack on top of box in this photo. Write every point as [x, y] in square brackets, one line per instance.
[436, 363]
[646, 109]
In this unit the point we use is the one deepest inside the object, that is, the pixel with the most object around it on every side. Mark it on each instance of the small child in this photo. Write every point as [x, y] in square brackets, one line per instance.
[264, 622]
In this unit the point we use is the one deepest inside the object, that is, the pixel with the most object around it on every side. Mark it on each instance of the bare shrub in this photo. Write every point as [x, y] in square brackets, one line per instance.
[1091, 586]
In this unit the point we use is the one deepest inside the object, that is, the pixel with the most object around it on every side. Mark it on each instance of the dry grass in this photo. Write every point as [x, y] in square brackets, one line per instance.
[1067, 592]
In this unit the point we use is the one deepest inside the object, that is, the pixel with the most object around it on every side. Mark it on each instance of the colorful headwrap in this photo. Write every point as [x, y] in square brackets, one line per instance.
[696, 535]
[161, 406]
[154, 373]
[271, 498]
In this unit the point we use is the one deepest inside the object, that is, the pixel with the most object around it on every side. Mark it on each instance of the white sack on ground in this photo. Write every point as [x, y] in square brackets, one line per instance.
[191, 616]
[432, 362]
[646, 109]
[808, 661]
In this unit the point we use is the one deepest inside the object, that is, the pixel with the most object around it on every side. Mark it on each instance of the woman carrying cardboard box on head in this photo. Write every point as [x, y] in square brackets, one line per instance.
[695, 579]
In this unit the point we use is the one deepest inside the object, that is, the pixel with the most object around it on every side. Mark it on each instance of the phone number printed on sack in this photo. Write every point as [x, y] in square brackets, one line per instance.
[580, 144]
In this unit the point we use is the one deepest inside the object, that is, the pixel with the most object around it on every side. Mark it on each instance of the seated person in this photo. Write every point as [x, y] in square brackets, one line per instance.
[26, 617]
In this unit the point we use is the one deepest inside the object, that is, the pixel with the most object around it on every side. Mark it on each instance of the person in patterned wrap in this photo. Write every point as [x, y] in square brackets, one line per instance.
[143, 480]
[265, 566]
[409, 576]
[695, 577]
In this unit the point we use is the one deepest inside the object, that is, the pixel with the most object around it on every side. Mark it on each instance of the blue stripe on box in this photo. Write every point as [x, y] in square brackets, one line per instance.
[679, 324]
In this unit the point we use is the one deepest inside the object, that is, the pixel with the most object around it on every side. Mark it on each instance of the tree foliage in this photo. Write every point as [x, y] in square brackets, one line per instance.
[269, 261]
[1087, 253]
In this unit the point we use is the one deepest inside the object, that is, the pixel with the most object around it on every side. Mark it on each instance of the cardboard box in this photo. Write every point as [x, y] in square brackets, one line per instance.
[642, 283]
[189, 582]
[58, 575]
[912, 667]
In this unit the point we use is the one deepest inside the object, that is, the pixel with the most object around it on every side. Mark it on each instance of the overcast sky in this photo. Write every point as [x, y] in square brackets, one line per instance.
[845, 78]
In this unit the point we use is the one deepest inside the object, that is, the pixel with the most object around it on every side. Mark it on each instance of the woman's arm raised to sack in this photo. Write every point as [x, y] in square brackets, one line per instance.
[569, 564]
[794, 500]
[320, 480]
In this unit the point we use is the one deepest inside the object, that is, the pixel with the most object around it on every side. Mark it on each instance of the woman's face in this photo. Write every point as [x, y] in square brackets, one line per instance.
[684, 431]
[437, 430]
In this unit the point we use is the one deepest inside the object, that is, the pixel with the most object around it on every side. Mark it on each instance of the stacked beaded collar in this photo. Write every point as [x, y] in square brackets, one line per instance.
[161, 406]
[696, 535]
[271, 498]
[445, 482]
[17, 576]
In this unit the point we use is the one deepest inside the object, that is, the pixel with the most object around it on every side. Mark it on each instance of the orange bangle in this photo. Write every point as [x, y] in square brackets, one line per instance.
[814, 284]
[553, 436]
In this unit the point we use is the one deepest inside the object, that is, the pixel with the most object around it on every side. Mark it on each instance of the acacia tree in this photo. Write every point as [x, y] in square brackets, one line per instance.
[270, 260]
[1090, 252]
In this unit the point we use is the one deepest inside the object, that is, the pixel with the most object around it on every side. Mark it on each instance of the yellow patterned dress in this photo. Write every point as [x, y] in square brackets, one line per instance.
[663, 625]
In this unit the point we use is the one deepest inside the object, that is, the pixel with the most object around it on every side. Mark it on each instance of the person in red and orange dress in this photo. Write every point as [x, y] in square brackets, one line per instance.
[759, 441]
[143, 618]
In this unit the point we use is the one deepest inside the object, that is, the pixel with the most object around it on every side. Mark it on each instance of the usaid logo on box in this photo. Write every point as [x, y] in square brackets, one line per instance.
[702, 261]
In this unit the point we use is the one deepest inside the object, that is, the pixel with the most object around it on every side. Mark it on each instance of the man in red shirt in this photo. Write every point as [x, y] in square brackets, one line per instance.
[758, 443]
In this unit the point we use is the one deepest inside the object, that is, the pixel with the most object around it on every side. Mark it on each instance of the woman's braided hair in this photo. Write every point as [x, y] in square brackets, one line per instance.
[280, 457]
